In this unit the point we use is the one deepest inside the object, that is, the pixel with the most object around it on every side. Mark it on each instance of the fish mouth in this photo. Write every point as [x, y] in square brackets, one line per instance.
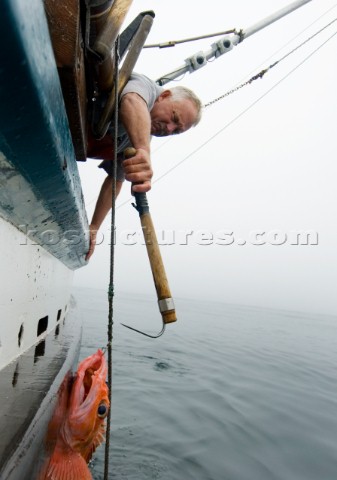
[89, 404]
[89, 380]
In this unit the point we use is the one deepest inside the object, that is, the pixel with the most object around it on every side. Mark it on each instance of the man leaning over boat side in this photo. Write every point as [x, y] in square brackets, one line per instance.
[145, 109]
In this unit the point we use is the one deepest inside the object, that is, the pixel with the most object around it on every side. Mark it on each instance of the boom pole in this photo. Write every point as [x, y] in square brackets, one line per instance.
[226, 43]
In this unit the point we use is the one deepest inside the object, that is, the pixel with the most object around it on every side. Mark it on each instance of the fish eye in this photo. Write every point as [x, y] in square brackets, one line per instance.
[102, 410]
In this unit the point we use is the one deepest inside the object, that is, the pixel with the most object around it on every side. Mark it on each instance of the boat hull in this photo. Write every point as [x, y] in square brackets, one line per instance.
[43, 233]
[28, 395]
[35, 293]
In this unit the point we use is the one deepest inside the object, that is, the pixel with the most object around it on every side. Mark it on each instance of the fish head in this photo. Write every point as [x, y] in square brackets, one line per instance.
[89, 405]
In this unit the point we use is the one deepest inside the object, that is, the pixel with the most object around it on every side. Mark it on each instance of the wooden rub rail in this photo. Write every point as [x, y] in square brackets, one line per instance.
[75, 33]
[65, 33]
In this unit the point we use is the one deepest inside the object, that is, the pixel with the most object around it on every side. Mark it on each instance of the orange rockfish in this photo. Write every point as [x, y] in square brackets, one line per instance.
[77, 426]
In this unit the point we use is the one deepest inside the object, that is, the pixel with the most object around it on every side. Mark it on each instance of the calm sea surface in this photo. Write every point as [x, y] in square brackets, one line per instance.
[227, 393]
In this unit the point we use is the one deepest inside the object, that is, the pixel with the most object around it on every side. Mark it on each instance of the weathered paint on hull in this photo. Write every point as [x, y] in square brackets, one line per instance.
[39, 182]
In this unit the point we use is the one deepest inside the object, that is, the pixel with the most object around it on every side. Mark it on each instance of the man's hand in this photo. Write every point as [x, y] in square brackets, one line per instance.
[138, 170]
[92, 240]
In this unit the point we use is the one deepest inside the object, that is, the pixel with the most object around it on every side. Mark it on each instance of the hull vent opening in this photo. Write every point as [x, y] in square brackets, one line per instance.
[57, 331]
[20, 334]
[42, 325]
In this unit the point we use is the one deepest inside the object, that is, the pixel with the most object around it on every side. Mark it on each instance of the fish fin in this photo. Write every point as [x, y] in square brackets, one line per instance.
[99, 438]
[67, 466]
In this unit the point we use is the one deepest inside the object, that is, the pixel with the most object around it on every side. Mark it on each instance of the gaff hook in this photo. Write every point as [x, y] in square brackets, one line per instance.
[165, 301]
[166, 307]
[146, 334]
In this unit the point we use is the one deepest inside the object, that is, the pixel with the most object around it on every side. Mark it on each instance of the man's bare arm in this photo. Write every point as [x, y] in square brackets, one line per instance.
[136, 119]
[102, 208]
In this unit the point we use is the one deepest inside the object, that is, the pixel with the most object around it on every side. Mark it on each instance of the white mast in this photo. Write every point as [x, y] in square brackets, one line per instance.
[226, 43]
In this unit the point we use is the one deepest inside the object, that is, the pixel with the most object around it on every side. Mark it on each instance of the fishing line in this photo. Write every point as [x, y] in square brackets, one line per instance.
[112, 263]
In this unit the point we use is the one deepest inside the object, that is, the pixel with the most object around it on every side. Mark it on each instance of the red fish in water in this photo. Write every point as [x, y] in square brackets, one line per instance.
[77, 427]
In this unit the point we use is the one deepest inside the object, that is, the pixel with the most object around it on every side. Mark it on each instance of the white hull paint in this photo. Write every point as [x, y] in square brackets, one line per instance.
[35, 292]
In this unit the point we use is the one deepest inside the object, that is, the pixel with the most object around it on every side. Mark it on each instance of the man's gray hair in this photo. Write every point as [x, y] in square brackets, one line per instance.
[184, 93]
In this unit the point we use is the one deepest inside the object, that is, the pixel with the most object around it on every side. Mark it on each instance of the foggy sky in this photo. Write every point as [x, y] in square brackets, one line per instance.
[267, 176]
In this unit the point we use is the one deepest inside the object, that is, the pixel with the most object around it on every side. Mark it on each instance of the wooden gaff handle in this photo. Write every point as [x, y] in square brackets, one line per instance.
[165, 301]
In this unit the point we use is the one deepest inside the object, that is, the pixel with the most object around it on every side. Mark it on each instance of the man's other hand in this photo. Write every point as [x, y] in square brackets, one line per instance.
[92, 241]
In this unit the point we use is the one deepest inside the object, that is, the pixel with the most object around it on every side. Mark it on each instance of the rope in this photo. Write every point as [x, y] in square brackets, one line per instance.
[112, 262]
[265, 70]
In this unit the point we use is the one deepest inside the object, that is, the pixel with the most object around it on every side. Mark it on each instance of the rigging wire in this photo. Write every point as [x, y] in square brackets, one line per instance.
[233, 120]
[277, 51]
[173, 43]
[264, 61]
[265, 70]
[296, 36]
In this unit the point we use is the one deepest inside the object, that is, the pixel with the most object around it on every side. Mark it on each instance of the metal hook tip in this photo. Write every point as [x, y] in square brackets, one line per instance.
[146, 334]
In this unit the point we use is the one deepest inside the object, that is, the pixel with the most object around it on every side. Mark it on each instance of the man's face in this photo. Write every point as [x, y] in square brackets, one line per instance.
[171, 117]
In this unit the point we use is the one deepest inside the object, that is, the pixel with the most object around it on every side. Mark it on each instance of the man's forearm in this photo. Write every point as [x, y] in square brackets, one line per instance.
[104, 202]
[103, 206]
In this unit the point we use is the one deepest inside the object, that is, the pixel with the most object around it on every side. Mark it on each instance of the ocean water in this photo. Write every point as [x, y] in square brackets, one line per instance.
[227, 393]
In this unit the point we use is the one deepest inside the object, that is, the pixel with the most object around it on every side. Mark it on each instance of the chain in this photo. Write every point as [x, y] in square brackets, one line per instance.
[238, 87]
[265, 70]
